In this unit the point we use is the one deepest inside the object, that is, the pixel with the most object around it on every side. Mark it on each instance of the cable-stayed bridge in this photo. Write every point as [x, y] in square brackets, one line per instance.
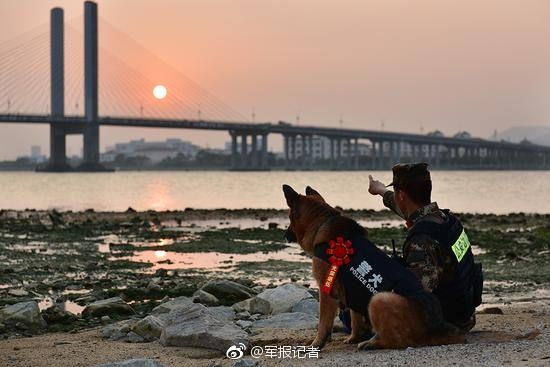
[112, 93]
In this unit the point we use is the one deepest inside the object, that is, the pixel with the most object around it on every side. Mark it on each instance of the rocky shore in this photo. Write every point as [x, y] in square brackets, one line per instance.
[180, 288]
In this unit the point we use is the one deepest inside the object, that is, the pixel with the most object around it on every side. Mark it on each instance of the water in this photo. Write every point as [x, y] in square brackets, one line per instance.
[463, 191]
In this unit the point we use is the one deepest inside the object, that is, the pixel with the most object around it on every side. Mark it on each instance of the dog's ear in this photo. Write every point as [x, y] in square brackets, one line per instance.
[290, 195]
[311, 191]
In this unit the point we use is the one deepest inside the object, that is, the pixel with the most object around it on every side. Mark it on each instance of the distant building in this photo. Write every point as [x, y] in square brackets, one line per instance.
[462, 135]
[436, 133]
[154, 151]
[36, 155]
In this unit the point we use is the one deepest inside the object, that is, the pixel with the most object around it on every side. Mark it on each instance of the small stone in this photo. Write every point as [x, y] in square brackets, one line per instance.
[282, 298]
[110, 306]
[491, 311]
[243, 323]
[154, 287]
[105, 318]
[253, 305]
[148, 328]
[205, 298]
[132, 337]
[18, 292]
[227, 291]
[118, 330]
[245, 363]
[55, 315]
[61, 342]
[171, 305]
[245, 315]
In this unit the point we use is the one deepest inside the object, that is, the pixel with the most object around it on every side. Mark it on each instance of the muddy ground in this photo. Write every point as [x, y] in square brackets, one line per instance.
[73, 259]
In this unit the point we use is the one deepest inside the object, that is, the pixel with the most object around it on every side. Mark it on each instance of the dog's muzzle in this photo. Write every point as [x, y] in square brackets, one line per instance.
[290, 236]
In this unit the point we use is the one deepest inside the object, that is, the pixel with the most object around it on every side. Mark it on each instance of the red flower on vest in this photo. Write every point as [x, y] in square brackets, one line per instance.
[340, 252]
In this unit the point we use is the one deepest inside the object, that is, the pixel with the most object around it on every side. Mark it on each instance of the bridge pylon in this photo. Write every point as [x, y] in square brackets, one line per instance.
[58, 158]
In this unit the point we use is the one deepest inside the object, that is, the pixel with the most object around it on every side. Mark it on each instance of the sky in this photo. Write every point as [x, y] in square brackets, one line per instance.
[400, 65]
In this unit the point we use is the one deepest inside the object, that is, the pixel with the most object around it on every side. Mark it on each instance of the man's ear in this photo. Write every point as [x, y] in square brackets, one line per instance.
[311, 191]
[290, 195]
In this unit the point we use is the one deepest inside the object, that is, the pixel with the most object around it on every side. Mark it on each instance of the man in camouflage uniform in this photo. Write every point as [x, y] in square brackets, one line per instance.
[423, 254]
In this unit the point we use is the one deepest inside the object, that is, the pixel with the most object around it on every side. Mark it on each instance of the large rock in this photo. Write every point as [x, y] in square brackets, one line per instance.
[227, 291]
[171, 305]
[287, 320]
[194, 326]
[109, 306]
[134, 363]
[284, 298]
[26, 313]
[308, 305]
[223, 313]
[149, 328]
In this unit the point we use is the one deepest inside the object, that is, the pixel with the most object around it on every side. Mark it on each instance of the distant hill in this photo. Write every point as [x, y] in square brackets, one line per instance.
[535, 134]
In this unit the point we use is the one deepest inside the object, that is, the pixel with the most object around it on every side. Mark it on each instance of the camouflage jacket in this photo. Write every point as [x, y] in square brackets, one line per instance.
[421, 252]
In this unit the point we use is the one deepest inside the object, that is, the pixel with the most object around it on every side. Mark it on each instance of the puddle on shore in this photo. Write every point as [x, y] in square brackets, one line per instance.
[210, 260]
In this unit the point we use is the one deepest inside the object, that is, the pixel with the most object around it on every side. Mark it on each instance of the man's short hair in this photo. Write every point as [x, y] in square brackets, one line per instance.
[415, 180]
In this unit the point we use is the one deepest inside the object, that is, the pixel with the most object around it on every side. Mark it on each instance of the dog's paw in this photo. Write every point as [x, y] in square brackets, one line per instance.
[318, 343]
[352, 339]
[370, 344]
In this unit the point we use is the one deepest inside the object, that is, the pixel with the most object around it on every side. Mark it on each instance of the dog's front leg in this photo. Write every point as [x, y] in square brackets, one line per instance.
[327, 307]
[357, 327]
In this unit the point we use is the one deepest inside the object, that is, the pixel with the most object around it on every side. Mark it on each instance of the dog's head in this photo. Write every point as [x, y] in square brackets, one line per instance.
[306, 212]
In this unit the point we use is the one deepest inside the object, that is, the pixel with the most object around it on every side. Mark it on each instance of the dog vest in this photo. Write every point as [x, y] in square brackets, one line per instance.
[364, 270]
[460, 295]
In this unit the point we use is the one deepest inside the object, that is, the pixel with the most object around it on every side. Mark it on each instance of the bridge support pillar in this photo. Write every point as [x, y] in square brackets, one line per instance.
[233, 149]
[91, 129]
[244, 151]
[373, 154]
[338, 153]
[399, 154]
[309, 157]
[263, 164]
[293, 152]
[286, 144]
[331, 158]
[356, 154]
[349, 155]
[254, 153]
[58, 156]
[303, 154]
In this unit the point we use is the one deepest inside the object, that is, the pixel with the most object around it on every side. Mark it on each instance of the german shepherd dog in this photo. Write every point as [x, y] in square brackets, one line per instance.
[397, 321]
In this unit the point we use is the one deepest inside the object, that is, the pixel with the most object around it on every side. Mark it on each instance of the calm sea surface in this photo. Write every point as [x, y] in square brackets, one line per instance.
[462, 191]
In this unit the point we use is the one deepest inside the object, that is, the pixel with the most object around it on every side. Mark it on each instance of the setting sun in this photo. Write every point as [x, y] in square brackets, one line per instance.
[159, 91]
